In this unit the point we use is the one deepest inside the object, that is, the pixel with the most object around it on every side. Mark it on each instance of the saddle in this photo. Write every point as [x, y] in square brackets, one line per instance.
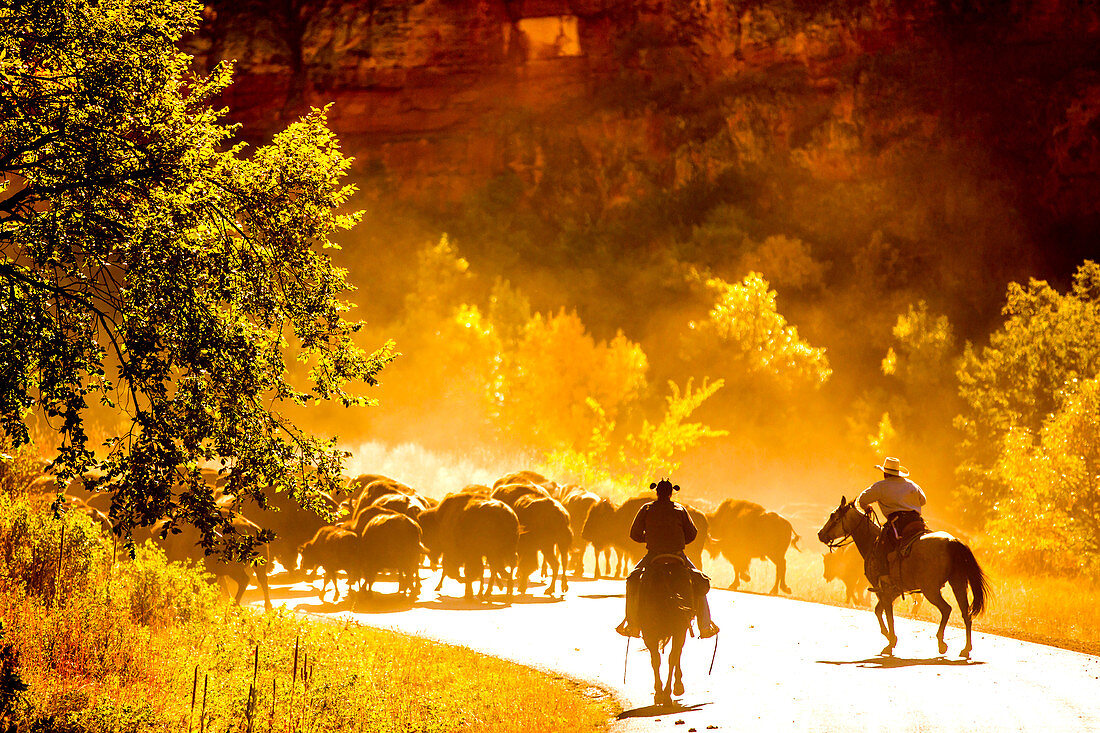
[895, 544]
[908, 533]
[663, 577]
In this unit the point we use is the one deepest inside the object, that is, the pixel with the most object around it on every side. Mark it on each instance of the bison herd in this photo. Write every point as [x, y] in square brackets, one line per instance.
[494, 537]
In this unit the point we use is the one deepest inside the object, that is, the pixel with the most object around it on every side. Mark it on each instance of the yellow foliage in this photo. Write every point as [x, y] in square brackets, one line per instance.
[654, 450]
[1049, 514]
[747, 331]
[558, 367]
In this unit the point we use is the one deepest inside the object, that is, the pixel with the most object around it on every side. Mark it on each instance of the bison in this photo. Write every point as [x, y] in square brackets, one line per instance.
[741, 531]
[599, 531]
[184, 545]
[391, 541]
[846, 565]
[293, 525]
[627, 549]
[332, 548]
[411, 505]
[508, 493]
[485, 532]
[438, 527]
[544, 527]
[694, 550]
[528, 478]
[578, 502]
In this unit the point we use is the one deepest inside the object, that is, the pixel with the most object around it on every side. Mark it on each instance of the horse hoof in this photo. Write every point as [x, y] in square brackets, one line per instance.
[887, 651]
[943, 647]
[965, 653]
[678, 688]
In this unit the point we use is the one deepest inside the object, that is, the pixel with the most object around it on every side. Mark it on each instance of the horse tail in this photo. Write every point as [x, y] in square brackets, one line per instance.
[963, 559]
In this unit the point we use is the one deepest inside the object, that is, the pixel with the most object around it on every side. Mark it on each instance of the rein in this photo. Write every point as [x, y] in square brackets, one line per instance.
[849, 536]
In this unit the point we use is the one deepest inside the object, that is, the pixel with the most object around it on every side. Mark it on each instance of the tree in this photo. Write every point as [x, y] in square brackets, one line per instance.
[1050, 514]
[149, 265]
[747, 332]
[1048, 343]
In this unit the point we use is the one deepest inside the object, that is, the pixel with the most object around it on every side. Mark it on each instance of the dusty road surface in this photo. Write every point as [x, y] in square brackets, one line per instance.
[782, 665]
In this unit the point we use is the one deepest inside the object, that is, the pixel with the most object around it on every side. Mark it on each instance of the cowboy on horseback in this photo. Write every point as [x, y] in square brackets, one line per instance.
[900, 500]
[666, 529]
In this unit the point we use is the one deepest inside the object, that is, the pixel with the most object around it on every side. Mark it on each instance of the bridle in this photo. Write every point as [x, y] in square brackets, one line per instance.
[847, 538]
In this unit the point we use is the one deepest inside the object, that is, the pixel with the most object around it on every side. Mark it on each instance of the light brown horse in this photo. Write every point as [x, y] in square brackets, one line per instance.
[665, 612]
[934, 560]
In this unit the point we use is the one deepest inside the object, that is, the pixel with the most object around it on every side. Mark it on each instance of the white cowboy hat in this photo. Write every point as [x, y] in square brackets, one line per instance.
[893, 467]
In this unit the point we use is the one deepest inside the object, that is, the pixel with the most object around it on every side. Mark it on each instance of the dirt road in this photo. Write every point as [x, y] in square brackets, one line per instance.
[782, 665]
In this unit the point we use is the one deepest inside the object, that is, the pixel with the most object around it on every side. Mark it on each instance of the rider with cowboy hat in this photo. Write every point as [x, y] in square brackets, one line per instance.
[666, 528]
[900, 500]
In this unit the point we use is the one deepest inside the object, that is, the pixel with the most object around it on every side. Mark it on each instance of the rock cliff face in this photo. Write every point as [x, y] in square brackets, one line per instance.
[431, 90]
[962, 133]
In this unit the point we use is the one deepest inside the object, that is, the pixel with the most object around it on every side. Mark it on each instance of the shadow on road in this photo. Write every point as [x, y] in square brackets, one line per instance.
[885, 662]
[598, 597]
[652, 711]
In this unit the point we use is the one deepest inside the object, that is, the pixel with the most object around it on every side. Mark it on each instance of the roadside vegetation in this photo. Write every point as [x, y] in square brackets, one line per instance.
[145, 645]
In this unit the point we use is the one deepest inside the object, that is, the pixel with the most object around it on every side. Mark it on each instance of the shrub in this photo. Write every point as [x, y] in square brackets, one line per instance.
[30, 545]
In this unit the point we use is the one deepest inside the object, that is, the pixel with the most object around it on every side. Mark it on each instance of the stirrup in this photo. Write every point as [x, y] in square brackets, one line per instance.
[709, 631]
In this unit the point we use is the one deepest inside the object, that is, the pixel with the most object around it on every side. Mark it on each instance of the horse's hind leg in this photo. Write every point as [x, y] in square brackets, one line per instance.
[958, 586]
[936, 599]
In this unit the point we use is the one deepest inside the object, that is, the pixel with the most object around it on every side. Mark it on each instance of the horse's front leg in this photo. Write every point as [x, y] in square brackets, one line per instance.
[880, 608]
[660, 697]
[893, 637]
[674, 666]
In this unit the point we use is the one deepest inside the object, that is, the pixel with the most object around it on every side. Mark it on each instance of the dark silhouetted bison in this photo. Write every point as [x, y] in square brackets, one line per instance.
[694, 550]
[741, 531]
[184, 545]
[438, 526]
[578, 502]
[543, 527]
[411, 505]
[846, 565]
[485, 533]
[508, 493]
[332, 549]
[629, 551]
[292, 524]
[529, 478]
[391, 541]
[599, 531]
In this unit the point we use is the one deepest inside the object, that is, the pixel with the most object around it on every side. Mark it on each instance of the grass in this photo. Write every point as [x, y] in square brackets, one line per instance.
[145, 645]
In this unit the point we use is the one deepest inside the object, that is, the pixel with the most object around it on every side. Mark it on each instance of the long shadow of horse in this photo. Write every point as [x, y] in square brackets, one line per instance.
[890, 662]
[652, 711]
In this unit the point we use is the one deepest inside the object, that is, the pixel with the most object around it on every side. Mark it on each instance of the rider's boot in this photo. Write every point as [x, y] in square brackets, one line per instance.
[885, 586]
[629, 626]
[707, 627]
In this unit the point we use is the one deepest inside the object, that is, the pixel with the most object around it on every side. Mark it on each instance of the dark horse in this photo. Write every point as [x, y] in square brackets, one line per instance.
[665, 612]
[935, 559]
